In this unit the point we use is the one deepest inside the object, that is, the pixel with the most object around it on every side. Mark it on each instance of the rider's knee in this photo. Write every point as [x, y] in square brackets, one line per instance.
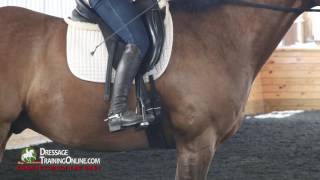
[143, 43]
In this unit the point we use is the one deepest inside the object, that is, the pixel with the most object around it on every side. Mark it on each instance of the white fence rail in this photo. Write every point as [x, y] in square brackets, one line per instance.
[59, 8]
[305, 31]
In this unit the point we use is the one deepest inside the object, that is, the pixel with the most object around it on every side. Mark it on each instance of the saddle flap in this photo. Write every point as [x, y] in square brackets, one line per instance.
[84, 13]
[157, 36]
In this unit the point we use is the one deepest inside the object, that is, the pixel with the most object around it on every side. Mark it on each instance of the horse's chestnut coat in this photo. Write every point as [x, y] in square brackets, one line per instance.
[217, 53]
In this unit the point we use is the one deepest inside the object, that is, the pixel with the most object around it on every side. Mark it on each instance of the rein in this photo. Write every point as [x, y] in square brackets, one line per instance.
[273, 7]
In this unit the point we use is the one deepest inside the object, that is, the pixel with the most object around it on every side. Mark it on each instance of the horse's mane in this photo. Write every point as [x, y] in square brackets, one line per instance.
[193, 5]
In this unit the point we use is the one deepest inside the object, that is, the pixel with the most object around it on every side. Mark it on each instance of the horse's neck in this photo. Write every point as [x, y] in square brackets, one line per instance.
[241, 37]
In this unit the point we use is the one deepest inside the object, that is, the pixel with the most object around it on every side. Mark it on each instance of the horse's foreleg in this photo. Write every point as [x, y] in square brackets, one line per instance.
[195, 155]
[10, 109]
[8, 113]
[4, 136]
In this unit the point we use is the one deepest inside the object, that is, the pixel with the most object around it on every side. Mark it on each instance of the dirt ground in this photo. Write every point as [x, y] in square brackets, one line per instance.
[263, 149]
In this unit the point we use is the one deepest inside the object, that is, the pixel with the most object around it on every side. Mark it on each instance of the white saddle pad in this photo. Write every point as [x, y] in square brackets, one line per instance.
[82, 38]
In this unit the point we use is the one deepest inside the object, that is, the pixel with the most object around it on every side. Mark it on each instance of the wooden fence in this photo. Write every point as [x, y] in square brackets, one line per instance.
[290, 80]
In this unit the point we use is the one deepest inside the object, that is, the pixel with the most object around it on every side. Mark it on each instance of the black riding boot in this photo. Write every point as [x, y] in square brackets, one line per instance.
[119, 115]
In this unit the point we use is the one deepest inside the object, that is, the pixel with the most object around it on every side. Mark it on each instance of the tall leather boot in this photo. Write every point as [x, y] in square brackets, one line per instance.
[119, 116]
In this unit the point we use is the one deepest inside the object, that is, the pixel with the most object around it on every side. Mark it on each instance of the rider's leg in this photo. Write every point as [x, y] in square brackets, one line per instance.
[117, 13]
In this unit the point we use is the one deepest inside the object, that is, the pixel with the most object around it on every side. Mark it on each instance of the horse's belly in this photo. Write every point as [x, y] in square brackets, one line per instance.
[72, 112]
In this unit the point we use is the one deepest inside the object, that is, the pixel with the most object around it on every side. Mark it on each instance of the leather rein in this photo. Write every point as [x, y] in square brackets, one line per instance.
[274, 7]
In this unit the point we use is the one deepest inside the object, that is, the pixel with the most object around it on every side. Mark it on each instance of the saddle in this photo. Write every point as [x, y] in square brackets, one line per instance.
[148, 99]
[84, 13]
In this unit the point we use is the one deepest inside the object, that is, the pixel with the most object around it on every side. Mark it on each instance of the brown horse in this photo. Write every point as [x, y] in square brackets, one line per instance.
[217, 53]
